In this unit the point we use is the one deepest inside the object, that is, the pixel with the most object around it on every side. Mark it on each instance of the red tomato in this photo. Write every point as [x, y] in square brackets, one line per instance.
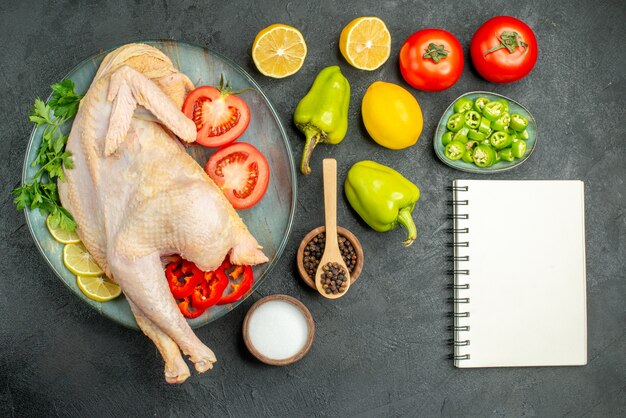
[504, 49]
[220, 117]
[242, 172]
[431, 60]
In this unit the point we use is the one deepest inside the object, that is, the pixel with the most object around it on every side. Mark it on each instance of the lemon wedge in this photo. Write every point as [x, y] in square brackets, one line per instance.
[61, 235]
[98, 288]
[78, 260]
[365, 43]
[279, 50]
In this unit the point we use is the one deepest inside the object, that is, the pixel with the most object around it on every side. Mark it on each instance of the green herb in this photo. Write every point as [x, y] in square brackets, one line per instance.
[41, 193]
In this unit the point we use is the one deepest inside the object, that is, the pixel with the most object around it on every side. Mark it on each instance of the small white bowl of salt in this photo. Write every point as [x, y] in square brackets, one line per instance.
[278, 330]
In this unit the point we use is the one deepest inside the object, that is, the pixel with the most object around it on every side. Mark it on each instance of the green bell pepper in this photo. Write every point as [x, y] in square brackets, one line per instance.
[382, 197]
[322, 115]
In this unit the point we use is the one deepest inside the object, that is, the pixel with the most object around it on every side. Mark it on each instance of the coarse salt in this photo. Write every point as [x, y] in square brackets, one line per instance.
[278, 329]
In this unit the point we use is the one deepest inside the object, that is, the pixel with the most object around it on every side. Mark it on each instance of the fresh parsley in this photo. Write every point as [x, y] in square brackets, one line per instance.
[41, 193]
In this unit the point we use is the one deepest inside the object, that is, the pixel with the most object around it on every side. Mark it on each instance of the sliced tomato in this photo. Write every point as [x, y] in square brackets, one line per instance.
[242, 172]
[220, 117]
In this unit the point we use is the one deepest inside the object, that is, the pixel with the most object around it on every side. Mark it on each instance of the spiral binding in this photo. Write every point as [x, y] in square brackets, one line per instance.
[460, 340]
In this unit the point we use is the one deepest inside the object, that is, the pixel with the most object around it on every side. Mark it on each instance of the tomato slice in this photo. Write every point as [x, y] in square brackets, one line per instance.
[220, 117]
[242, 172]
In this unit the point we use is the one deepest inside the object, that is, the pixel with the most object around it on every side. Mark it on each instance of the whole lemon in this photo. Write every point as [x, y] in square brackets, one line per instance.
[391, 115]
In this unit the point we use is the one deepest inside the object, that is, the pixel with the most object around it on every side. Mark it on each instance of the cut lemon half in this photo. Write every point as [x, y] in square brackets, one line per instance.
[98, 288]
[61, 235]
[279, 50]
[78, 260]
[365, 43]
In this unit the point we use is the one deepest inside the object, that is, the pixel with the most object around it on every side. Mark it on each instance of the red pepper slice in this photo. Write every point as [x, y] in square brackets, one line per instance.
[210, 289]
[188, 310]
[182, 278]
[238, 289]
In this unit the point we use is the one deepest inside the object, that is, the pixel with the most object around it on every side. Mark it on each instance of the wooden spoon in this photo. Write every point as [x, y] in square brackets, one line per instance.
[331, 248]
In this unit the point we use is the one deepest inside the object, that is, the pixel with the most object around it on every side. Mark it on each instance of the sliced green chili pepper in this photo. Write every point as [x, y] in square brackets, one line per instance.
[470, 146]
[447, 138]
[454, 150]
[500, 139]
[523, 135]
[463, 105]
[485, 142]
[475, 135]
[502, 122]
[506, 154]
[472, 119]
[493, 110]
[480, 103]
[485, 126]
[518, 122]
[467, 157]
[461, 135]
[505, 105]
[519, 148]
[484, 155]
[455, 122]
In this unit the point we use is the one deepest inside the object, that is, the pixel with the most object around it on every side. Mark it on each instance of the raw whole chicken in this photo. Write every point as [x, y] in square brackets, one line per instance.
[137, 196]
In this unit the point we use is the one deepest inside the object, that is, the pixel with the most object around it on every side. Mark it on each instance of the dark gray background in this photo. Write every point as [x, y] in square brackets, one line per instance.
[381, 350]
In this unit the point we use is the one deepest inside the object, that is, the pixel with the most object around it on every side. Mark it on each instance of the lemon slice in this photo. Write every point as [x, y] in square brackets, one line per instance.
[365, 43]
[78, 260]
[278, 51]
[98, 288]
[61, 235]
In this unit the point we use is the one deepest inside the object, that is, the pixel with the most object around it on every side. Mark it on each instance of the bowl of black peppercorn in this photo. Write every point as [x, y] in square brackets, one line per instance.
[312, 248]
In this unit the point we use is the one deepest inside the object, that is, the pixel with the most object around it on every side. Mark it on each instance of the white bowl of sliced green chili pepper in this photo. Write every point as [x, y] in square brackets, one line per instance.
[483, 132]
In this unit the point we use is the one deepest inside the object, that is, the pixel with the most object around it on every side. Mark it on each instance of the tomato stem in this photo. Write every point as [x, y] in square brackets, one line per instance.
[509, 40]
[225, 88]
[436, 52]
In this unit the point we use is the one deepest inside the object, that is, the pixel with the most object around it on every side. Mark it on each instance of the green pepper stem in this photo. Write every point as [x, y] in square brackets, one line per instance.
[313, 137]
[406, 220]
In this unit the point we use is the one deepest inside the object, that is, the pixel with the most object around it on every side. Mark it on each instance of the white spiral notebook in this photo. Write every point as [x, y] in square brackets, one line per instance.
[519, 273]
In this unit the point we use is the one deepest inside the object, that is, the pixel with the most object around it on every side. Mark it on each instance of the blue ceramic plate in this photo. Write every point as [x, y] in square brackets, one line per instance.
[269, 221]
[514, 107]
